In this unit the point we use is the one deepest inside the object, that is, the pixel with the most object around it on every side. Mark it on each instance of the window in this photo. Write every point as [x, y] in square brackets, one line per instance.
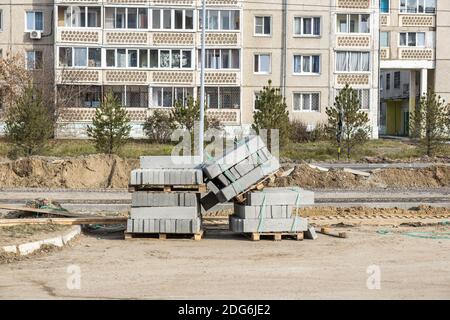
[223, 97]
[166, 97]
[1, 20]
[136, 96]
[388, 81]
[262, 63]
[363, 96]
[126, 18]
[306, 64]
[80, 57]
[306, 26]
[306, 102]
[91, 97]
[384, 39]
[127, 58]
[384, 6]
[221, 20]
[221, 59]
[171, 58]
[263, 26]
[79, 17]
[412, 39]
[34, 60]
[353, 23]
[173, 19]
[352, 61]
[418, 6]
[35, 21]
[397, 77]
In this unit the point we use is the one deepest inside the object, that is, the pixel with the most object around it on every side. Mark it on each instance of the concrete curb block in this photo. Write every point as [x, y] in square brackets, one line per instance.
[30, 247]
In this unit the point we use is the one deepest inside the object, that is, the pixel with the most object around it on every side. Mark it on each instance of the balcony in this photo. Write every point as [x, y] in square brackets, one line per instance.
[82, 36]
[417, 20]
[353, 41]
[86, 114]
[353, 79]
[221, 39]
[226, 116]
[221, 77]
[385, 53]
[416, 54]
[385, 20]
[354, 4]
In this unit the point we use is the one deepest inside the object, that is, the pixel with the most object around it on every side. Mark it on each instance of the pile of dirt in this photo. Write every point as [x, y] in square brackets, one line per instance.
[85, 172]
[365, 211]
[109, 171]
[307, 177]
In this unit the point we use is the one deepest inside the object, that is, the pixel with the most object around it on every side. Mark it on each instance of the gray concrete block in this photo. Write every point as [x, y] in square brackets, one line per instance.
[164, 199]
[170, 162]
[208, 202]
[311, 233]
[233, 156]
[212, 187]
[268, 225]
[268, 211]
[165, 213]
[166, 177]
[248, 180]
[280, 196]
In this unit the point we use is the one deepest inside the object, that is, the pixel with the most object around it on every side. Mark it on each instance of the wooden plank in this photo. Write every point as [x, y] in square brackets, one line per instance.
[35, 210]
[63, 221]
[275, 236]
[163, 236]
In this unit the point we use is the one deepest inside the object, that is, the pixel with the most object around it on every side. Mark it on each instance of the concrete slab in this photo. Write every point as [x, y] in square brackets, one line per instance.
[268, 225]
[311, 233]
[164, 199]
[268, 211]
[280, 196]
[170, 162]
[166, 177]
[164, 213]
[233, 156]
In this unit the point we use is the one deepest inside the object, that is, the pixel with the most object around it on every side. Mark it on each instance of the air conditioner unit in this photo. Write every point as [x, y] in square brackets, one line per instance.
[35, 34]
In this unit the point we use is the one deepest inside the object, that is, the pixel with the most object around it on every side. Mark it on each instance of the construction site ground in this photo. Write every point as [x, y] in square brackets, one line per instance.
[375, 212]
[227, 266]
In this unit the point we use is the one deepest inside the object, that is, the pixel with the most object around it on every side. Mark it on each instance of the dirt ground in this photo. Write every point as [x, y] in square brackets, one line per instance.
[28, 233]
[102, 171]
[307, 177]
[225, 266]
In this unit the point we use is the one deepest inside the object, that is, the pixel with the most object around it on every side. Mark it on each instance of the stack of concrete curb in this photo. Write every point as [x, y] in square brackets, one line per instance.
[237, 170]
[271, 210]
[176, 211]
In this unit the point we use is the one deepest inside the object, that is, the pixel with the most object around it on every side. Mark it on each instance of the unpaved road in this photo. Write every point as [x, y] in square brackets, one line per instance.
[225, 266]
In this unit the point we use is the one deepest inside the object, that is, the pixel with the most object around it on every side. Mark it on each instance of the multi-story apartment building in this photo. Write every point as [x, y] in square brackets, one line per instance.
[414, 57]
[27, 30]
[147, 53]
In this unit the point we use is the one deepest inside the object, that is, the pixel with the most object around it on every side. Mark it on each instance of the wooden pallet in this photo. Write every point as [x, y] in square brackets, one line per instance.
[200, 188]
[240, 198]
[275, 236]
[163, 236]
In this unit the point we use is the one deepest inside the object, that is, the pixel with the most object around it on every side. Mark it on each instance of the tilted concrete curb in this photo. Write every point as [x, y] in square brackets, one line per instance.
[30, 247]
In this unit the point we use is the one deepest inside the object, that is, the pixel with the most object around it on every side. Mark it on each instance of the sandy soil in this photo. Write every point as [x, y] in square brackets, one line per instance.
[102, 171]
[225, 266]
[307, 177]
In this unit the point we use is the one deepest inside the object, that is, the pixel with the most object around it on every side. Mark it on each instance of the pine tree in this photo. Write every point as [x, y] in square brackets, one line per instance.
[271, 113]
[347, 125]
[110, 125]
[429, 121]
[29, 123]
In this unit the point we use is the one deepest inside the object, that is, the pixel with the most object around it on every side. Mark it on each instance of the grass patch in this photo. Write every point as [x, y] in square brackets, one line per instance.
[308, 151]
[326, 151]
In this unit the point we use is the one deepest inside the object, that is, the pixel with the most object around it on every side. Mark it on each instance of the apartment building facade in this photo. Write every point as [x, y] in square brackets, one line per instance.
[414, 57]
[147, 53]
